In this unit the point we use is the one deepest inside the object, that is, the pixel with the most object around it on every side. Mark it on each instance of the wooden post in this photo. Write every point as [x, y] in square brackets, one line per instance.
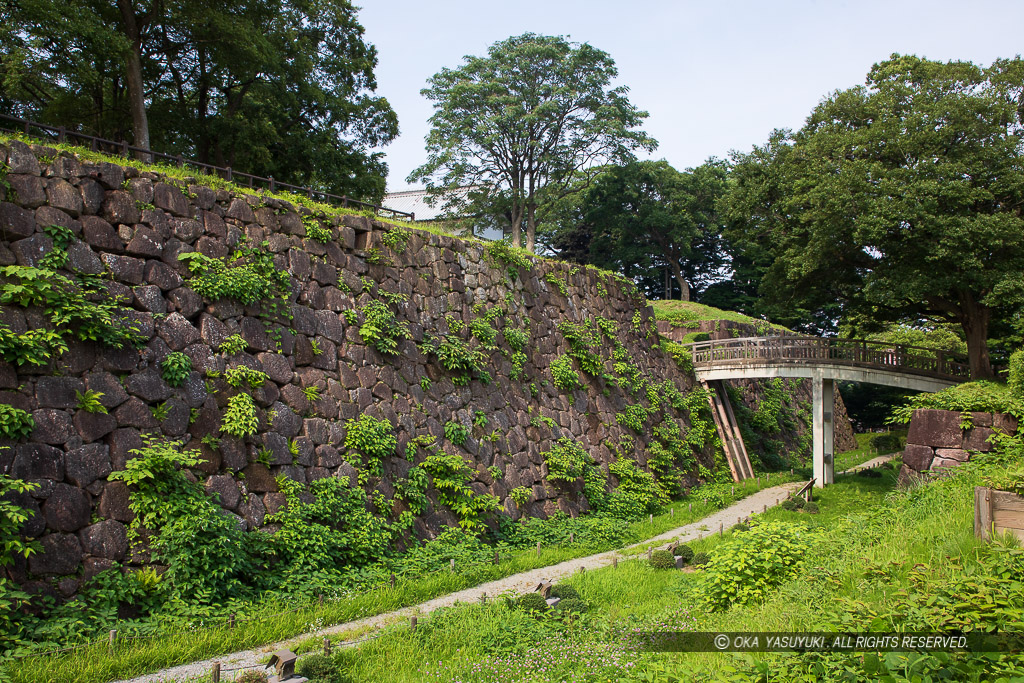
[721, 529]
[394, 580]
[983, 512]
[231, 620]
[327, 646]
[320, 599]
[496, 560]
[215, 674]
[112, 639]
[672, 512]
[651, 519]
[483, 598]
[615, 562]
[538, 548]
[649, 551]
[691, 507]
[412, 623]
[732, 490]
[765, 509]
[572, 537]
[452, 564]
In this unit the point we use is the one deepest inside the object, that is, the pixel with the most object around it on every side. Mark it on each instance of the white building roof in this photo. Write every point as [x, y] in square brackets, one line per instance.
[415, 201]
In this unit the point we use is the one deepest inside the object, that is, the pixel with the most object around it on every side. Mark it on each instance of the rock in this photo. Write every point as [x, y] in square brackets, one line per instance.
[178, 332]
[977, 439]
[186, 301]
[252, 511]
[92, 196]
[107, 539]
[917, 457]
[1005, 423]
[170, 199]
[20, 159]
[28, 190]
[52, 426]
[31, 250]
[258, 479]
[276, 366]
[125, 269]
[952, 454]
[146, 242]
[241, 211]
[135, 413]
[67, 508]
[16, 221]
[110, 176]
[162, 275]
[114, 502]
[60, 555]
[119, 208]
[94, 426]
[86, 464]
[113, 394]
[64, 196]
[33, 461]
[938, 428]
[100, 234]
[225, 490]
[150, 298]
[83, 259]
[148, 385]
[59, 392]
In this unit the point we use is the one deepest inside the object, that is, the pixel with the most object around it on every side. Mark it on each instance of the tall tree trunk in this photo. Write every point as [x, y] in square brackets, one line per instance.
[974, 320]
[531, 227]
[684, 286]
[517, 225]
[133, 76]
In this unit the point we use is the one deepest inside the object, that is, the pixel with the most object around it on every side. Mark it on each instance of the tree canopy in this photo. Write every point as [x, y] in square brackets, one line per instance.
[280, 88]
[901, 199]
[526, 125]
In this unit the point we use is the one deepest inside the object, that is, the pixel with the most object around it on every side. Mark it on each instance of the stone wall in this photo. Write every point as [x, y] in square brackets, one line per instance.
[130, 227]
[937, 441]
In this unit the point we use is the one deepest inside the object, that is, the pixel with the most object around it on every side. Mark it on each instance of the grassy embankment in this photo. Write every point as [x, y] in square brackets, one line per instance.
[680, 313]
[878, 559]
[269, 622]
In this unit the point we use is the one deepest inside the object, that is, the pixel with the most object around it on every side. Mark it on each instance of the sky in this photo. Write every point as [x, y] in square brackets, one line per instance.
[714, 76]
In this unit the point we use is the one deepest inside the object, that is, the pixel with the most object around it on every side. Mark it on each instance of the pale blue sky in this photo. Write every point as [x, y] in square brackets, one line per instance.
[714, 76]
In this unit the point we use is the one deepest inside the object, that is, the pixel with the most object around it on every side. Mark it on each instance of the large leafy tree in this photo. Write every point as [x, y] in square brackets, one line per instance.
[646, 218]
[901, 200]
[529, 122]
[272, 87]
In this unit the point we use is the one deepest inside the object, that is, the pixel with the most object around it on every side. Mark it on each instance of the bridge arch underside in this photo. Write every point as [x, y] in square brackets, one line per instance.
[823, 376]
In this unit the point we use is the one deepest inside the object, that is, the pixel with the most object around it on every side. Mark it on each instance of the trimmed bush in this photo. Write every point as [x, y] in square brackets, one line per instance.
[700, 559]
[251, 676]
[685, 552]
[532, 602]
[788, 504]
[565, 592]
[811, 508]
[572, 605]
[320, 669]
[740, 527]
[799, 502]
[663, 559]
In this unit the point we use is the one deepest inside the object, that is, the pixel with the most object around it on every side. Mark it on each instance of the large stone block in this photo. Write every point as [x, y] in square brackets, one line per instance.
[67, 508]
[107, 539]
[936, 428]
[94, 426]
[977, 439]
[61, 554]
[52, 426]
[33, 461]
[16, 221]
[178, 332]
[59, 392]
[170, 199]
[86, 464]
[114, 502]
[64, 196]
[224, 489]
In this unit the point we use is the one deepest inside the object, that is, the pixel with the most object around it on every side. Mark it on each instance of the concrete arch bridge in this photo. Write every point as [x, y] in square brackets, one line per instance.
[823, 361]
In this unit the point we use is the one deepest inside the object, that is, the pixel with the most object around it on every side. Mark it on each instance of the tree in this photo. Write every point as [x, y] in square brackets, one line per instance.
[901, 200]
[649, 212]
[528, 121]
[280, 88]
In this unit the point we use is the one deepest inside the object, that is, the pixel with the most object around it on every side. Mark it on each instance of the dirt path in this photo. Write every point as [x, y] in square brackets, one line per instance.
[517, 583]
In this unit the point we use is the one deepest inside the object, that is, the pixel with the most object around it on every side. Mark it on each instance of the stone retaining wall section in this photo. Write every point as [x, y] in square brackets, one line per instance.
[936, 441]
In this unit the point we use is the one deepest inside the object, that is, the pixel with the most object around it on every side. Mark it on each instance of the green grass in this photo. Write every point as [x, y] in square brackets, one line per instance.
[690, 313]
[475, 642]
[270, 624]
[864, 451]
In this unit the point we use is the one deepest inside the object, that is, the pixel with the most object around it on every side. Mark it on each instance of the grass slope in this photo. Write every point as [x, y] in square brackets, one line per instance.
[689, 313]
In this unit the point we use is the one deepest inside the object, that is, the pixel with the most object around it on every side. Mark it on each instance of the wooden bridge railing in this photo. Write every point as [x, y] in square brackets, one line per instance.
[914, 359]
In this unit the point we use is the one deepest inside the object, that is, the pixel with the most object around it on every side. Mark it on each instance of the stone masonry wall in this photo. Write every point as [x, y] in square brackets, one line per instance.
[130, 227]
[936, 441]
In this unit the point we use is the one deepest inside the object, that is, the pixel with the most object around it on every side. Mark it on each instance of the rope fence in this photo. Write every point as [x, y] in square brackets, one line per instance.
[62, 134]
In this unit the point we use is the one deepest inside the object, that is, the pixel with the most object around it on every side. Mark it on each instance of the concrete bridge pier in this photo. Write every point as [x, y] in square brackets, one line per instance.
[823, 430]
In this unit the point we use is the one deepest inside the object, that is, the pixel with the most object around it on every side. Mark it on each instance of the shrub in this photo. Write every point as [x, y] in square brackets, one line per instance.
[799, 502]
[233, 344]
[811, 508]
[572, 606]
[740, 527]
[381, 329]
[565, 592]
[369, 441]
[248, 276]
[700, 559]
[251, 676]
[240, 418]
[14, 422]
[886, 443]
[1015, 380]
[638, 492]
[685, 552]
[532, 602]
[236, 377]
[175, 367]
[456, 433]
[564, 375]
[663, 559]
[566, 460]
[750, 565]
[788, 504]
[520, 495]
[90, 401]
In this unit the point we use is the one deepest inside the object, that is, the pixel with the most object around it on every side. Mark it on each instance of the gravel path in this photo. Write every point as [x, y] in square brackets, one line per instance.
[517, 583]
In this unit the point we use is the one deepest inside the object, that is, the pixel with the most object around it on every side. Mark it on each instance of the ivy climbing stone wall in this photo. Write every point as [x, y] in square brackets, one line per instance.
[449, 343]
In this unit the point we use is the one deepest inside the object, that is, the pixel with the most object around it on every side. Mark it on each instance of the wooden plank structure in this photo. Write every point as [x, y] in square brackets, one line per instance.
[996, 512]
[728, 430]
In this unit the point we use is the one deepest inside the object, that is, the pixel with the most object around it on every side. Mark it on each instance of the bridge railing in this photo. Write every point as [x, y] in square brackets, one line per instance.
[817, 349]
